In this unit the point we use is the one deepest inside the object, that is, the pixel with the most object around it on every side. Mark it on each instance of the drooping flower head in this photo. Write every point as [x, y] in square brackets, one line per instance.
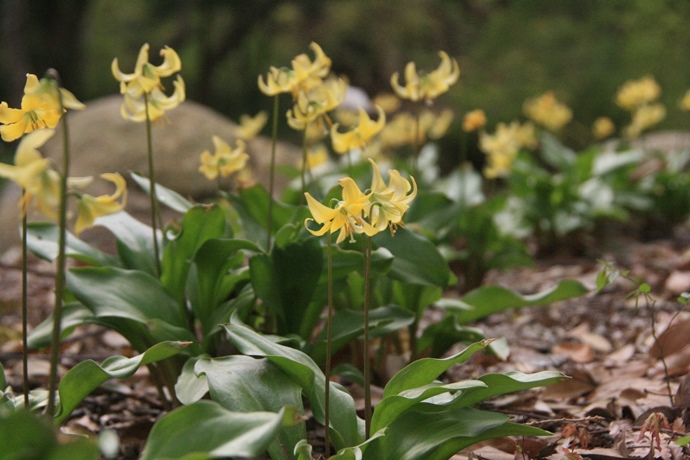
[315, 103]
[389, 202]
[427, 86]
[361, 134]
[250, 127]
[548, 111]
[303, 75]
[602, 128]
[644, 117]
[225, 160]
[145, 84]
[347, 216]
[502, 147]
[90, 207]
[40, 108]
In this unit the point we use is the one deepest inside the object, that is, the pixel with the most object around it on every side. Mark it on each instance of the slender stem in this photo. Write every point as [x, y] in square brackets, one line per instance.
[304, 161]
[271, 180]
[25, 311]
[367, 363]
[417, 143]
[152, 187]
[60, 276]
[329, 339]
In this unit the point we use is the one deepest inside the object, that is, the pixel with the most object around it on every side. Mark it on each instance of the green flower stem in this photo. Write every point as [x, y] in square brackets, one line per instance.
[417, 144]
[60, 276]
[152, 187]
[25, 312]
[329, 339]
[367, 363]
[271, 180]
[304, 161]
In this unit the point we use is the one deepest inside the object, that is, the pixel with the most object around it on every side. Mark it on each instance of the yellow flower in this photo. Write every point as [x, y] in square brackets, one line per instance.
[645, 117]
[145, 83]
[501, 148]
[685, 102]
[304, 75]
[40, 108]
[250, 127]
[427, 86]
[389, 203]
[547, 111]
[346, 216]
[436, 125]
[146, 76]
[360, 136]
[602, 128]
[635, 93]
[134, 109]
[498, 165]
[474, 120]
[312, 104]
[389, 102]
[526, 136]
[225, 161]
[90, 207]
[316, 156]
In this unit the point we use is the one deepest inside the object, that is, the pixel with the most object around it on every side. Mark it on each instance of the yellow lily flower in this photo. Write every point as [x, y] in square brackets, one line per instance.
[427, 86]
[250, 127]
[346, 217]
[547, 111]
[313, 104]
[46, 88]
[644, 117]
[684, 103]
[90, 207]
[146, 76]
[389, 203]
[501, 148]
[278, 80]
[602, 128]
[635, 93]
[304, 75]
[134, 109]
[360, 136]
[225, 161]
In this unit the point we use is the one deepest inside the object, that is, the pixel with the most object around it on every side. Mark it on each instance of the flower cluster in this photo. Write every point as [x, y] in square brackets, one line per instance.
[638, 96]
[41, 107]
[403, 128]
[364, 213]
[427, 86]
[225, 160]
[548, 111]
[143, 89]
[503, 146]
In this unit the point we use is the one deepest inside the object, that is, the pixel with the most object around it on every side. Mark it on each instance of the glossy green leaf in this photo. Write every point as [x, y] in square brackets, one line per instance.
[285, 281]
[417, 260]
[439, 337]
[349, 325]
[27, 436]
[245, 384]
[134, 241]
[199, 224]
[346, 429]
[487, 300]
[131, 294]
[166, 197]
[88, 375]
[424, 371]
[206, 430]
[509, 382]
[42, 240]
[73, 314]
[191, 387]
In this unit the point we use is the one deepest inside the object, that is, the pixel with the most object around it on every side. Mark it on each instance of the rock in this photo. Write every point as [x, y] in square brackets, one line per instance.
[102, 141]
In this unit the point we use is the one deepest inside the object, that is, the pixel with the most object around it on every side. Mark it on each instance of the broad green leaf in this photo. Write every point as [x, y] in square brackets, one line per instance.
[199, 224]
[88, 375]
[417, 260]
[492, 299]
[25, 435]
[346, 428]
[131, 294]
[303, 450]
[245, 384]
[285, 280]
[509, 382]
[73, 314]
[215, 265]
[349, 325]
[424, 371]
[206, 430]
[42, 240]
[391, 407]
[555, 153]
[191, 387]
[134, 240]
[166, 197]
[439, 337]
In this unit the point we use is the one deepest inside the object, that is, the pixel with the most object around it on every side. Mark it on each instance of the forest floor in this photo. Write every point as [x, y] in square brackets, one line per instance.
[622, 399]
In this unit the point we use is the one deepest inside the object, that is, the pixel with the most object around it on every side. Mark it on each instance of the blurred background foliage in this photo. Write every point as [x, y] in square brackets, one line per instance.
[508, 50]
